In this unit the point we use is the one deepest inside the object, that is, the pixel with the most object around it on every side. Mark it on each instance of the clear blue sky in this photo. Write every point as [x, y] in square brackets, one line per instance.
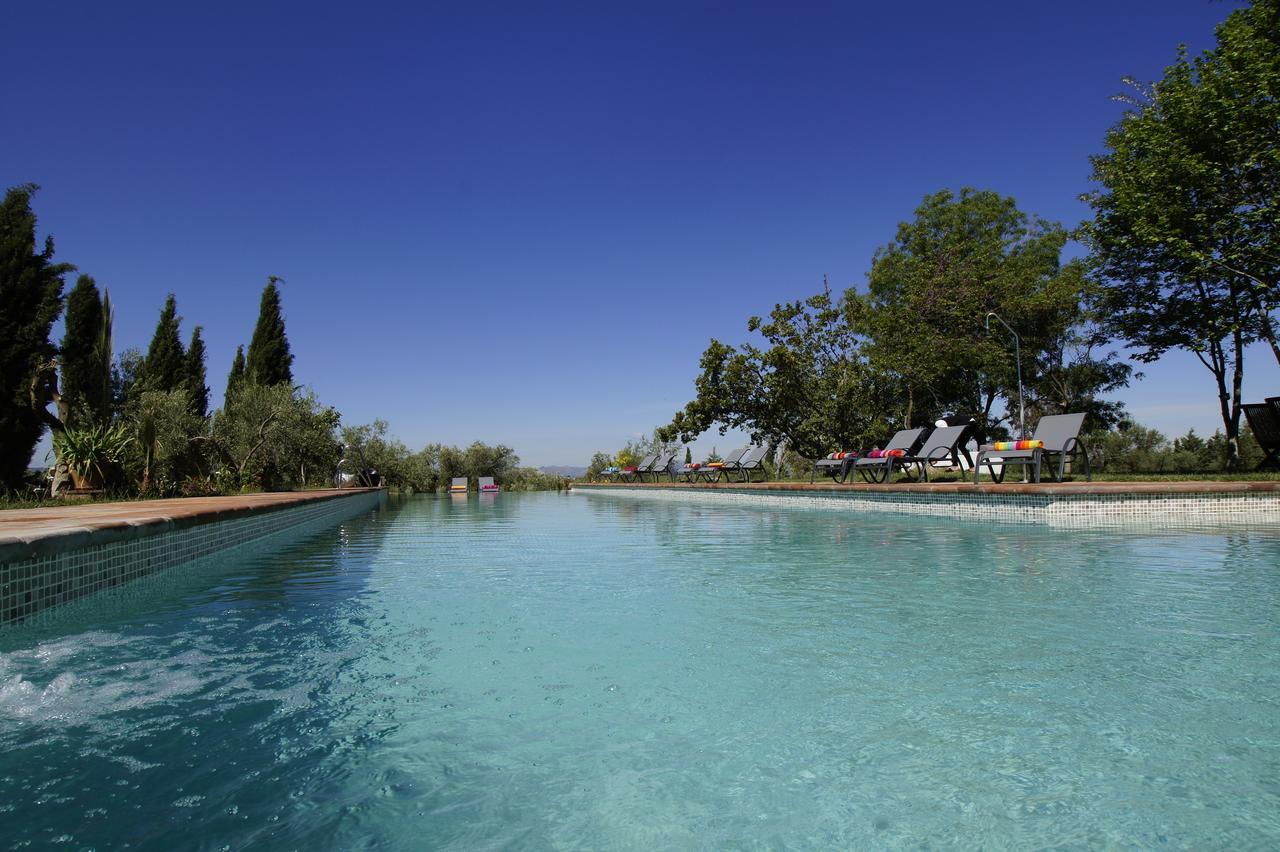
[524, 228]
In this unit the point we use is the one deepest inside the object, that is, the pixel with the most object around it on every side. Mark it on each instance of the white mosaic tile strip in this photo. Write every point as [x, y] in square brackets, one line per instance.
[1055, 510]
[30, 586]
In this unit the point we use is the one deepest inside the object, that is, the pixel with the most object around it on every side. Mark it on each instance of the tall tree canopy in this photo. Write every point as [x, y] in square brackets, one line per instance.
[197, 388]
[1184, 233]
[931, 288]
[166, 365]
[86, 379]
[30, 301]
[844, 374]
[234, 379]
[269, 361]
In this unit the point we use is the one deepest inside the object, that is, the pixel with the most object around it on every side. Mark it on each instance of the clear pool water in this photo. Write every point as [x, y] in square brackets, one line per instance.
[553, 671]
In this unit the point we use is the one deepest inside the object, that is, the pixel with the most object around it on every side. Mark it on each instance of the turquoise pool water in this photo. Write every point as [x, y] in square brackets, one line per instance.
[596, 672]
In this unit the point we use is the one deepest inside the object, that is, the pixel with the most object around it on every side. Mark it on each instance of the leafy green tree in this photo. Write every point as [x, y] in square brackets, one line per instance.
[269, 361]
[1183, 237]
[235, 378]
[599, 462]
[126, 380]
[931, 288]
[85, 387]
[30, 301]
[166, 364]
[197, 389]
[275, 437]
[810, 385]
[166, 440]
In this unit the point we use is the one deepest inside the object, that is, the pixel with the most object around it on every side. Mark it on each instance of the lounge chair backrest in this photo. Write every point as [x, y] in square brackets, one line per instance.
[1264, 422]
[734, 457]
[647, 461]
[944, 438]
[1057, 429]
[458, 483]
[905, 439]
[665, 461]
[753, 456]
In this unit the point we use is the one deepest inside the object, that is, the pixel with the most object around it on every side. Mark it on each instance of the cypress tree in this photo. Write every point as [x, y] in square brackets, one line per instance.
[269, 361]
[166, 367]
[83, 389]
[30, 302]
[102, 358]
[234, 379]
[197, 390]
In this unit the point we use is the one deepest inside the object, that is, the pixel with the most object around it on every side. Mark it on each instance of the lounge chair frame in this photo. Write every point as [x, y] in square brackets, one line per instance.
[1062, 442]
[751, 461]
[641, 469]
[880, 470]
[942, 445]
[713, 474]
[1264, 422]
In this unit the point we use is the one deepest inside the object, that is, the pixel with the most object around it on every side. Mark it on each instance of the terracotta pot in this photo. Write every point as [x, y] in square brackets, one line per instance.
[89, 480]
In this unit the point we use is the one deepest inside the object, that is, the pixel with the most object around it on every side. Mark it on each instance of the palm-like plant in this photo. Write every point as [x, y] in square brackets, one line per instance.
[91, 453]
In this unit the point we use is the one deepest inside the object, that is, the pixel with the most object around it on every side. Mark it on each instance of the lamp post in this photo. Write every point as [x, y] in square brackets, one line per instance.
[1017, 358]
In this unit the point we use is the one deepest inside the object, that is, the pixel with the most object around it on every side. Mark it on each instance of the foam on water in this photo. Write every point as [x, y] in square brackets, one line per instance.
[550, 672]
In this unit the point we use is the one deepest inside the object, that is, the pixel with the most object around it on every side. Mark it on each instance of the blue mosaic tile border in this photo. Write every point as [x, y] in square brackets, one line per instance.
[30, 586]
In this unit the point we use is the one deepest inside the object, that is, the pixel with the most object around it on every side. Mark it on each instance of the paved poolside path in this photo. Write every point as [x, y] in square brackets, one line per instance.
[20, 528]
[1052, 488]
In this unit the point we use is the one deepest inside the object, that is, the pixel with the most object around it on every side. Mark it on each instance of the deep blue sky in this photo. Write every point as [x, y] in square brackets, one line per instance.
[524, 228]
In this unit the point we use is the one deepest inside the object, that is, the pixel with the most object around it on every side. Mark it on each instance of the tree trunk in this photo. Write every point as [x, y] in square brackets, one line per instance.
[1237, 381]
[1218, 365]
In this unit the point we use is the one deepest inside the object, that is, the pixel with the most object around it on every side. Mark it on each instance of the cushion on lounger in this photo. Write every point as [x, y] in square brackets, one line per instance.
[1005, 446]
[715, 464]
[884, 454]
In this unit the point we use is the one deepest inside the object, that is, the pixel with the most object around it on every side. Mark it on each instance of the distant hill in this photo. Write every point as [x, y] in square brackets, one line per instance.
[563, 470]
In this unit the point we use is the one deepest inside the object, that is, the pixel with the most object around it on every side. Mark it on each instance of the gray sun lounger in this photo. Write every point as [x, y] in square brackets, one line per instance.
[458, 485]
[752, 460]
[640, 469]
[1061, 436]
[706, 473]
[909, 441]
[1264, 423]
[946, 448]
[837, 469]
[662, 464]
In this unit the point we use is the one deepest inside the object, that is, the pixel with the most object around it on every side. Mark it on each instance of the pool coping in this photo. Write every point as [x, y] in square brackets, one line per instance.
[33, 533]
[1051, 489]
[1059, 504]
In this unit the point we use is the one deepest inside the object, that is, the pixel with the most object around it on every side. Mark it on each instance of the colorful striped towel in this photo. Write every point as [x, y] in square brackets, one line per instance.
[842, 455]
[1006, 446]
[884, 454]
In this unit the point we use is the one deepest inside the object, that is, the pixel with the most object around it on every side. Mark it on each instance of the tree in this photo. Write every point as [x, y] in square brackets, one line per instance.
[166, 365]
[197, 389]
[269, 361]
[234, 379]
[931, 288]
[166, 436]
[1183, 237]
[30, 301]
[86, 384]
[275, 437]
[809, 385]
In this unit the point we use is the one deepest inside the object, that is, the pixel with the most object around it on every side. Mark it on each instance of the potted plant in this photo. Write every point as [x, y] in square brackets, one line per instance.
[90, 453]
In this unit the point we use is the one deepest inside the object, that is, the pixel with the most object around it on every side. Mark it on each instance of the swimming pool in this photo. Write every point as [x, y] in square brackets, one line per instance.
[557, 671]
